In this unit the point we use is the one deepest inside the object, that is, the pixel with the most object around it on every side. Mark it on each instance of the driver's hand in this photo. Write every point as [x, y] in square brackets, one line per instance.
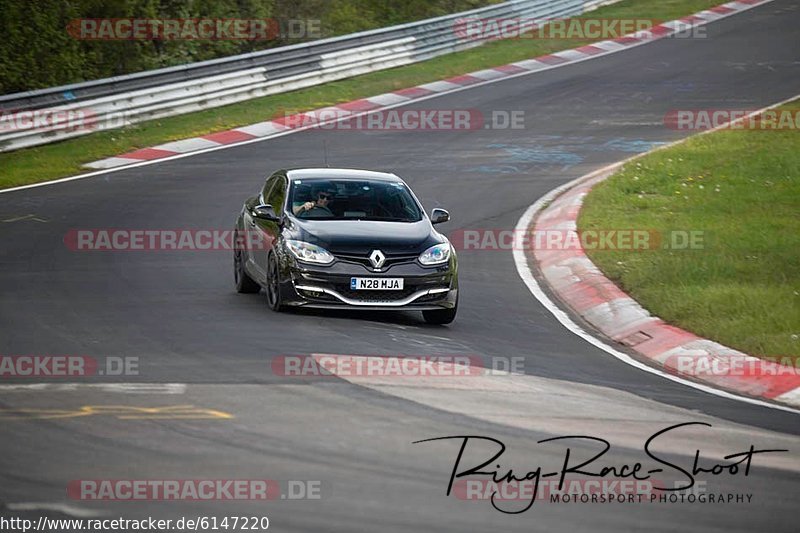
[308, 205]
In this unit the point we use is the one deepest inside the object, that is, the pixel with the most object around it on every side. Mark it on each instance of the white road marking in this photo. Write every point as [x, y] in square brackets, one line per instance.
[57, 507]
[124, 388]
[24, 217]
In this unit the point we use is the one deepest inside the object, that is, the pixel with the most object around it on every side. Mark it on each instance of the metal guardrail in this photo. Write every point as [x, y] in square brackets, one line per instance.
[124, 100]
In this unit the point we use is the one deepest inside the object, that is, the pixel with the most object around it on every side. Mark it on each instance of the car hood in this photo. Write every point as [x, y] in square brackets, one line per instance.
[363, 236]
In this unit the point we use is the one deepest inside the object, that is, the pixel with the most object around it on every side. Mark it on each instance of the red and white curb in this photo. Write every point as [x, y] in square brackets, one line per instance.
[275, 128]
[583, 289]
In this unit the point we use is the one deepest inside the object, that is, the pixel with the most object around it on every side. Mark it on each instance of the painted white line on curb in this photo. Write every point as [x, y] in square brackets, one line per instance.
[440, 86]
[792, 397]
[533, 65]
[388, 99]
[261, 129]
[525, 272]
[570, 55]
[187, 145]
[609, 46]
[488, 74]
[106, 164]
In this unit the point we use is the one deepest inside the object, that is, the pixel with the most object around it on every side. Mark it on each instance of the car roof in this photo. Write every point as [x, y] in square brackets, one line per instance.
[340, 174]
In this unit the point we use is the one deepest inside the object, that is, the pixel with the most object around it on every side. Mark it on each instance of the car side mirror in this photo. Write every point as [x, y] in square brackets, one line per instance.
[265, 212]
[439, 215]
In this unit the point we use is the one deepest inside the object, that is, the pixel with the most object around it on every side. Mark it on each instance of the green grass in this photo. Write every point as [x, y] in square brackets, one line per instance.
[742, 188]
[65, 158]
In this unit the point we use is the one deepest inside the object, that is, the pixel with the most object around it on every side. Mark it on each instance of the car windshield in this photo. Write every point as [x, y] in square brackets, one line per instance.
[350, 199]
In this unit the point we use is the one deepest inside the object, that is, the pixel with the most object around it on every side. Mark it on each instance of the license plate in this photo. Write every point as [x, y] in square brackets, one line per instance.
[376, 284]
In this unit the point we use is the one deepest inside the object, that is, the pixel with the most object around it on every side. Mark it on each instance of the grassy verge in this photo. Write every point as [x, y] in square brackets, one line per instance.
[742, 189]
[65, 158]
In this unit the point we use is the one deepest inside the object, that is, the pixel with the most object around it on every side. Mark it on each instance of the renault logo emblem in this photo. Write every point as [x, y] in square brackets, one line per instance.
[377, 259]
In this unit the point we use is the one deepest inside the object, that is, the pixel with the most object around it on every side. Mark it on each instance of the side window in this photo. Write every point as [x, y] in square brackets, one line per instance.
[277, 195]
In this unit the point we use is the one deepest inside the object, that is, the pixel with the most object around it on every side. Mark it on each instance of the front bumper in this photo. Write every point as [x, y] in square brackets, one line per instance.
[328, 287]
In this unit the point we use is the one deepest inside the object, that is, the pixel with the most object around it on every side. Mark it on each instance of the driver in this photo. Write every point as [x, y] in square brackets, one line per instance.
[316, 208]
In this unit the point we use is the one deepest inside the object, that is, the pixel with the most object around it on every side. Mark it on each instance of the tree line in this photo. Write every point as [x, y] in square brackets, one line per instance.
[39, 47]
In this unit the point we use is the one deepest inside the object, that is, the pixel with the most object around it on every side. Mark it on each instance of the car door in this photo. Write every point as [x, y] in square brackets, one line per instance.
[274, 194]
[256, 242]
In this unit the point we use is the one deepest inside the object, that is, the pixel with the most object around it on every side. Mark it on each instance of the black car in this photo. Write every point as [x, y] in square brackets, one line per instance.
[343, 238]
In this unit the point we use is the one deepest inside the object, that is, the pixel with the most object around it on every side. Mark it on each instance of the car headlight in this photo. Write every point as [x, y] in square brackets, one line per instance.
[310, 253]
[436, 255]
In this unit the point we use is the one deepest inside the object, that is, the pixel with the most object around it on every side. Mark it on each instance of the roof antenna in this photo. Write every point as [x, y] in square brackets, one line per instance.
[325, 151]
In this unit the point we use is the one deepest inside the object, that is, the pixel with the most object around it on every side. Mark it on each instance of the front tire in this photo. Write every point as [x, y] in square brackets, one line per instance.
[273, 288]
[244, 283]
[441, 316]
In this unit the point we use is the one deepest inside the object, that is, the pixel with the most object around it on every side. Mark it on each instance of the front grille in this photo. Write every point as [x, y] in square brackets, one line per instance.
[391, 260]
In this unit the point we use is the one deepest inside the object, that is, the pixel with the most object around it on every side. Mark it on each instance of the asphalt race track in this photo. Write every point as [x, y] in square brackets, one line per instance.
[178, 313]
